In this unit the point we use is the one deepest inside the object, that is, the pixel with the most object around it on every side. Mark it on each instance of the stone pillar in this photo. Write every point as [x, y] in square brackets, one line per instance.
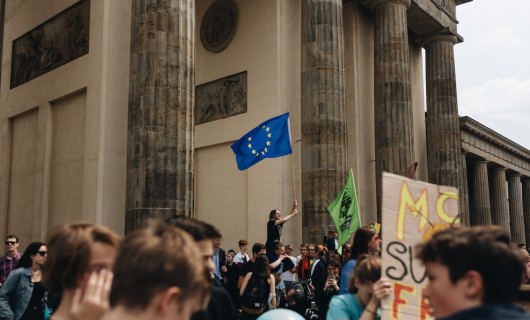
[526, 208]
[463, 191]
[161, 99]
[481, 214]
[515, 192]
[444, 143]
[323, 115]
[394, 143]
[500, 214]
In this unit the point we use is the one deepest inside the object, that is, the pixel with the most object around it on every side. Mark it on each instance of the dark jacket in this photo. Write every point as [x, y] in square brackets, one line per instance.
[491, 312]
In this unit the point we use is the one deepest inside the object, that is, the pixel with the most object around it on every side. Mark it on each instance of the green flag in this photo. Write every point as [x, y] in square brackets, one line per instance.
[344, 211]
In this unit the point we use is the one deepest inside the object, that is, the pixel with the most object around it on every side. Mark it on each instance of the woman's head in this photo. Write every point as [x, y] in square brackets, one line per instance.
[36, 253]
[365, 241]
[275, 214]
[76, 250]
[367, 271]
[261, 265]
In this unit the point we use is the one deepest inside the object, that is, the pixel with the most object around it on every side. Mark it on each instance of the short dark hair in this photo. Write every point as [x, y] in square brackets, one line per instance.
[257, 247]
[12, 237]
[154, 259]
[199, 230]
[242, 243]
[485, 249]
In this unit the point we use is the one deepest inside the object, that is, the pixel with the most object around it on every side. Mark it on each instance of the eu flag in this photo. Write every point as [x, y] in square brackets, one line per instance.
[268, 140]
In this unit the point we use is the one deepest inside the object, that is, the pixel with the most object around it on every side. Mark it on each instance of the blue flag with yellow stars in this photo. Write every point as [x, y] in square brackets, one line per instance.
[268, 140]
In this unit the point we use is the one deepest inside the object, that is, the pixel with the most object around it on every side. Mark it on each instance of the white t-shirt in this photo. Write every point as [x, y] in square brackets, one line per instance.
[288, 275]
[238, 258]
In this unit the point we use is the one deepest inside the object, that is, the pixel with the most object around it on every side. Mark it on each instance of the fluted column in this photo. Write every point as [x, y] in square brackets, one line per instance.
[481, 214]
[444, 143]
[515, 192]
[500, 214]
[324, 144]
[464, 193]
[394, 143]
[526, 208]
[161, 99]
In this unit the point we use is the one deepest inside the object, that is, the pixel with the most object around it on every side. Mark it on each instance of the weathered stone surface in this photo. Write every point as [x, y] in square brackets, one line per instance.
[443, 128]
[499, 199]
[161, 100]
[394, 139]
[515, 193]
[481, 213]
[324, 144]
[526, 208]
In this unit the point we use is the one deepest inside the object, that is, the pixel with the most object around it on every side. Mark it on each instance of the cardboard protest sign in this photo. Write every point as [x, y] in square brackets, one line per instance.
[412, 212]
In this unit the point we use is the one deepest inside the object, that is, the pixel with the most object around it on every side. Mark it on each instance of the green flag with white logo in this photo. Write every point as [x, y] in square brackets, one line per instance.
[344, 211]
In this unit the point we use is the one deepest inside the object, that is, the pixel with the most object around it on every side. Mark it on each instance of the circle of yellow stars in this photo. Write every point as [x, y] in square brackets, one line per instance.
[267, 143]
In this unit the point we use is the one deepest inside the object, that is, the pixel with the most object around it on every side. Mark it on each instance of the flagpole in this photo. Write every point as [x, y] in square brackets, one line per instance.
[294, 181]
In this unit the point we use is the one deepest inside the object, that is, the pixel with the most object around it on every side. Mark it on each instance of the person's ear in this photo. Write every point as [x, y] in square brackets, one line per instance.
[168, 302]
[473, 284]
[356, 282]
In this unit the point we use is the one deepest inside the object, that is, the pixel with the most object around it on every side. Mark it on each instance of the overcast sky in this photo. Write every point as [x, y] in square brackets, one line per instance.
[493, 66]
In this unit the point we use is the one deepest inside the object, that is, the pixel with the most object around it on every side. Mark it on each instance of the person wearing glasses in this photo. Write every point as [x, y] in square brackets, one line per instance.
[23, 297]
[275, 226]
[365, 241]
[9, 261]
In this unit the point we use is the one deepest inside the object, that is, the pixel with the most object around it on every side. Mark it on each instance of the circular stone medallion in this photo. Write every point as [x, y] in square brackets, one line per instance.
[219, 25]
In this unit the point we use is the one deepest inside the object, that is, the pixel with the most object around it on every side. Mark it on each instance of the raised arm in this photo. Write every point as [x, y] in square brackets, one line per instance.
[294, 212]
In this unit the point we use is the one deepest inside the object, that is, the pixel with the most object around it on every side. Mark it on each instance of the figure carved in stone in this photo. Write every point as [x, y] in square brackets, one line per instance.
[221, 98]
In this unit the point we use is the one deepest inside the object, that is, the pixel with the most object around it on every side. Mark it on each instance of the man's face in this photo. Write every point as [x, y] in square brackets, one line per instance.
[445, 297]
[303, 251]
[288, 251]
[217, 243]
[311, 251]
[206, 247]
[335, 235]
[244, 248]
[280, 251]
[11, 245]
[262, 252]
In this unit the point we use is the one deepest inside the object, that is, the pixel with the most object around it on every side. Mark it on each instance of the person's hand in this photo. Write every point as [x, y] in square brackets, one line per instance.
[381, 290]
[294, 210]
[223, 269]
[94, 301]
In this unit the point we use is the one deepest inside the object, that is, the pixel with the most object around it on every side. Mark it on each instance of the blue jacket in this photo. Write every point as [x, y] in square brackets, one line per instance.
[15, 294]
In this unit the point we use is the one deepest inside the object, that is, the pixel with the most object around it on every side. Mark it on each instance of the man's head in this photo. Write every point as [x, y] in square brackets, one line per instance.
[469, 267]
[288, 249]
[279, 249]
[258, 249]
[203, 233]
[217, 243]
[12, 244]
[311, 253]
[156, 271]
[303, 249]
[243, 245]
[334, 235]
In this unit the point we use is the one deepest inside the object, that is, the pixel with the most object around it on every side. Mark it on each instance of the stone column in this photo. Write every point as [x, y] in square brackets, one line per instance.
[324, 144]
[463, 191]
[444, 143]
[526, 208]
[161, 99]
[500, 214]
[394, 143]
[515, 192]
[481, 214]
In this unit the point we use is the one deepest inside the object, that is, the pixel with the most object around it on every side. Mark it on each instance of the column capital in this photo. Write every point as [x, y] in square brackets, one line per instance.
[377, 3]
[499, 168]
[514, 174]
[438, 37]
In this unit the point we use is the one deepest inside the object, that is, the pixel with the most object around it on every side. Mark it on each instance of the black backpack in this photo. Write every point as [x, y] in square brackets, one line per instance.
[256, 293]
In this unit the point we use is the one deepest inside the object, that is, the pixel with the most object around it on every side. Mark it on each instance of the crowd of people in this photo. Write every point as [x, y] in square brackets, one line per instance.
[177, 270]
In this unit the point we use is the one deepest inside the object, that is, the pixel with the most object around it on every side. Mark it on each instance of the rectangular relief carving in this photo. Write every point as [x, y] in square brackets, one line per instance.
[221, 98]
[57, 41]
